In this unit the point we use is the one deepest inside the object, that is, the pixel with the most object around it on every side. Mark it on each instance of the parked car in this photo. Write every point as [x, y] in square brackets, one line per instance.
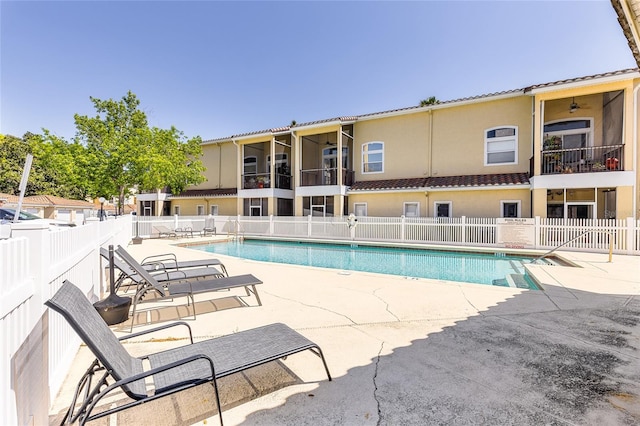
[7, 215]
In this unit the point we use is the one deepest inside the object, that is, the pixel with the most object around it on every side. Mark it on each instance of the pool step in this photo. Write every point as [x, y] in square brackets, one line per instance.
[517, 280]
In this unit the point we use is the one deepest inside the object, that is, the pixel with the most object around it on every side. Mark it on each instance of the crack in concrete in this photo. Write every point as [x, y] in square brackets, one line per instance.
[314, 306]
[386, 304]
[375, 385]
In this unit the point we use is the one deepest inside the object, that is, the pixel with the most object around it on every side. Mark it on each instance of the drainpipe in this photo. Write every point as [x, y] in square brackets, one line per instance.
[635, 148]
[219, 166]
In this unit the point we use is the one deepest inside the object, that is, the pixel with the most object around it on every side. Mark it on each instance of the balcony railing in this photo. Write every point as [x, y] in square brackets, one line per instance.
[583, 160]
[319, 177]
[263, 180]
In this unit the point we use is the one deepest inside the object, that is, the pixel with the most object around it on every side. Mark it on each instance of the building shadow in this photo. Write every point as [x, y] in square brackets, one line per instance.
[578, 366]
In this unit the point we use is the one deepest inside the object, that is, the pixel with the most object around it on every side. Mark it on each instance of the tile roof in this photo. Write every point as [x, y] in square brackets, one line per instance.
[580, 79]
[46, 201]
[423, 183]
[377, 185]
[500, 179]
[202, 193]
[52, 200]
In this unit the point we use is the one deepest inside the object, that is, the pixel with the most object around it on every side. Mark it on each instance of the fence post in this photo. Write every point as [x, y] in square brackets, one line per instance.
[309, 226]
[175, 221]
[463, 226]
[536, 235]
[271, 225]
[402, 230]
[631, 236]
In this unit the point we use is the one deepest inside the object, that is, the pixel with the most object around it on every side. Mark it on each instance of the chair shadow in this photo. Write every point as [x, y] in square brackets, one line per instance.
[197, 404]
[177, 310]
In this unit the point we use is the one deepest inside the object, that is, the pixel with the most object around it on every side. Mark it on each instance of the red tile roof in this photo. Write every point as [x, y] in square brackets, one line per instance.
[46, 201]
[203, 193]
[424, 183]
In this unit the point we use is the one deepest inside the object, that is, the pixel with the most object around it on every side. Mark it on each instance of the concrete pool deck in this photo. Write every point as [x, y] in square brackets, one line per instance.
[410, 351]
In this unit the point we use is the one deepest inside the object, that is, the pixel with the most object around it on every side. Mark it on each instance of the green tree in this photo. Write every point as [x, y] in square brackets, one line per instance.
[59, 167]
[123, 152]
[432, 100]
[13, 152]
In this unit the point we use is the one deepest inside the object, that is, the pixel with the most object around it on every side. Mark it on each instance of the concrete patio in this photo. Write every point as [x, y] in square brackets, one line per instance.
[410, 351]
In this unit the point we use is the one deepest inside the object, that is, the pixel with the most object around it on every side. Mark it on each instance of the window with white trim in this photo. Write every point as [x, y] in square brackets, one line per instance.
[250, 165]
[510, 208]
[442, 209]
[176, 210]
[411, 209]
[213, 210]
[200, 210]
[360, 209]
[501, 146]
[373, 157]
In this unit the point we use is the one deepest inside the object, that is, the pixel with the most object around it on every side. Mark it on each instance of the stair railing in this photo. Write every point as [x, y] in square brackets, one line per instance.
[574, 239]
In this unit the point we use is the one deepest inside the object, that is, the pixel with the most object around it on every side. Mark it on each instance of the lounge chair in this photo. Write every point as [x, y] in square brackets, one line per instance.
[188, 288]
[170, 261]
[159, 271]
[209, 227]
[171, 371]
[164, 231]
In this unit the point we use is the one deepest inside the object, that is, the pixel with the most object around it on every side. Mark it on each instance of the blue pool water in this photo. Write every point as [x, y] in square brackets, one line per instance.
[480, 268]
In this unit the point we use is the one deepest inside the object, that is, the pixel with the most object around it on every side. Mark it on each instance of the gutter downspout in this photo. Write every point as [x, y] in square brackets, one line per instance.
[239, 163]
[635, 149]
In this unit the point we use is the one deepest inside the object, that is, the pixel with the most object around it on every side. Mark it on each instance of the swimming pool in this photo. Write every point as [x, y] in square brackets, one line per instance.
[479, 268]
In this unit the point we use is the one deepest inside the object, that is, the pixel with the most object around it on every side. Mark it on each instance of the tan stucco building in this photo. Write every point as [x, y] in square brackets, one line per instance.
[560, 149]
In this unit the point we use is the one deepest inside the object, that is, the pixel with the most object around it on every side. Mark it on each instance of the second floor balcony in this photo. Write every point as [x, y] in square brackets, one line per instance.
[263, 180]
[583, 160]
[326, 176]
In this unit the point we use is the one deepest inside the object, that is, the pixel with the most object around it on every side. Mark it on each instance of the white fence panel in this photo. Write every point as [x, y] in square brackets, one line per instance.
[37, 348]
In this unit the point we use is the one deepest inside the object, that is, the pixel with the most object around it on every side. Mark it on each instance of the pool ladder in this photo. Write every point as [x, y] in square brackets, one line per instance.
[235, 230]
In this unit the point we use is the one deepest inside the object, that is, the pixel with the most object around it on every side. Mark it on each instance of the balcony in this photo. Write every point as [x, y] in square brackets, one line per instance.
[583, 160]
[263, 180]
[321, 177]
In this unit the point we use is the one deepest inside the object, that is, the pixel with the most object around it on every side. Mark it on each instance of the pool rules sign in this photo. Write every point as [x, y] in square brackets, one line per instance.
[515, 232]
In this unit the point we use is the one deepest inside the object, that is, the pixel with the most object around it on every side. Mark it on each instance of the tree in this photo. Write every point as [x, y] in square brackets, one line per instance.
[13, 152]
[429, 101]
[124, 153]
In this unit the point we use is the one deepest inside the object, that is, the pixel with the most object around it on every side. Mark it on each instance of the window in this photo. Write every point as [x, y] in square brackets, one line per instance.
[250, 165]
[360, 209]
[200, 210]
[501, 146]
[176, 210]
[411, 209]
[318, 205]
[373, 157]
[570, 134]
[256, 207]
[509, 208]
[442, 209]
[213, 210]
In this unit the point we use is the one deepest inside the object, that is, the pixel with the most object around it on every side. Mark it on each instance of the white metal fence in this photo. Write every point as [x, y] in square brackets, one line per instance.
[577, 234]
[37, 348]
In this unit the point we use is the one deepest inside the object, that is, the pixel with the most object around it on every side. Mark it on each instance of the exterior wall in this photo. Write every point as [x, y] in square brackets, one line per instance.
[474, 203]
[227, 206]
[459, 136]
[388, 204]
[221, 162]
[624, 202]
[406, 148]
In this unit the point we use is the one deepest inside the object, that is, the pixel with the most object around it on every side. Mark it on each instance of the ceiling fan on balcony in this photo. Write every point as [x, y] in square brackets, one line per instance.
[574, 106]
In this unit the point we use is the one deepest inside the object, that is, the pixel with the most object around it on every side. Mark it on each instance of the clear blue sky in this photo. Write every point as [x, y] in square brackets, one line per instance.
[215, 69]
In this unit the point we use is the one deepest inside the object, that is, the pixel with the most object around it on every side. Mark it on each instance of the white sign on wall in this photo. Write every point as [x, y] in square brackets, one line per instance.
[516, 232]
